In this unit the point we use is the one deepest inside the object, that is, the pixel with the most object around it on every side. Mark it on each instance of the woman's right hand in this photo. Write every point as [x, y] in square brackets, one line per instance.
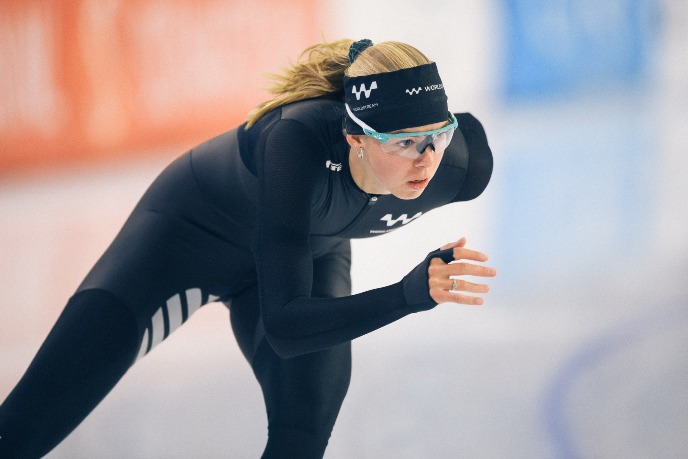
[444, 279]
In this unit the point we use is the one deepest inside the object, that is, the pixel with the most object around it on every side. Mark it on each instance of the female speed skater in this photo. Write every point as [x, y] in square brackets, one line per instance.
[357, 141]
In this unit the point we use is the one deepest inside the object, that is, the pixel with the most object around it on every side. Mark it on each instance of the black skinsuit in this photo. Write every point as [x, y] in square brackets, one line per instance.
[260, 219]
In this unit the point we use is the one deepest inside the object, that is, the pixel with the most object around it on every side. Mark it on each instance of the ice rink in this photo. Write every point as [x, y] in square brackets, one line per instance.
[597, 369]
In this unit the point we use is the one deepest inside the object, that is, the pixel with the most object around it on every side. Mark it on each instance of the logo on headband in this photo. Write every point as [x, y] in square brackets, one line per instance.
[432, 87]
[363, 89]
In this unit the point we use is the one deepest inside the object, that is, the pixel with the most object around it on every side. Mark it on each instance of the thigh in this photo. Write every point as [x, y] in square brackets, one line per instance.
[305, 391]
[171, 257]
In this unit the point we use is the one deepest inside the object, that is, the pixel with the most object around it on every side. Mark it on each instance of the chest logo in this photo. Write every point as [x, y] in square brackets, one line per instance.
[404, 219]
[336, 167]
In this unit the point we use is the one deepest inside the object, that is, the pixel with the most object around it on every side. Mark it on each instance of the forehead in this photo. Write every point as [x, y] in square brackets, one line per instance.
[427, 127]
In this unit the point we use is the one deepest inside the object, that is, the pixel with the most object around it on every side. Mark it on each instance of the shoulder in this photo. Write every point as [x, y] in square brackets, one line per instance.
[315, 111]
[305, 133]
[323, 117]
[479, 160]
[470, 125]
[314, 122]
[308, 123]
[318, 114]
[470, 139]
[472, 131]
[314, 125]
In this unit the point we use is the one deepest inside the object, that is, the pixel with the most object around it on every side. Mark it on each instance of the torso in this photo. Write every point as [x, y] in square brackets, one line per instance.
[227, 171]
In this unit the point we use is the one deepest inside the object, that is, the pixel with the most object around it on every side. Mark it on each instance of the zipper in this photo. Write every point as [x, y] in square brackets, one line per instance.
[370, 202]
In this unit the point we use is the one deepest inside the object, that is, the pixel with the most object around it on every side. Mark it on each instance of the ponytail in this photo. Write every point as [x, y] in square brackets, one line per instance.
[318, 71]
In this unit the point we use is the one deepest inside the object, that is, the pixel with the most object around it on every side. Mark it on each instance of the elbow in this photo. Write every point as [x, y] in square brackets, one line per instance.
[284, 347]
[283, 351]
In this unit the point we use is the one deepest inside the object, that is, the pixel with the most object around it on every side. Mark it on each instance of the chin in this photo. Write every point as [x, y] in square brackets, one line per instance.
[408, 195]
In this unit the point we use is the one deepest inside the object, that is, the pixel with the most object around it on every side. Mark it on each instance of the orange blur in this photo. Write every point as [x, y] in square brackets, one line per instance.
[90, 80]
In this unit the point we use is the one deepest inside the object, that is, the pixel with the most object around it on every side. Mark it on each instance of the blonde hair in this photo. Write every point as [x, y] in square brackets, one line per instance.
[320, 70]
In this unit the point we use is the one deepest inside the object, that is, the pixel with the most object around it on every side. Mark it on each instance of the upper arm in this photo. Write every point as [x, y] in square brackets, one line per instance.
[287, 176]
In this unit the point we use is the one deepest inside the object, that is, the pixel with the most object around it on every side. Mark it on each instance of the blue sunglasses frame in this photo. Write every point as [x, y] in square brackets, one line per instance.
[384, 137]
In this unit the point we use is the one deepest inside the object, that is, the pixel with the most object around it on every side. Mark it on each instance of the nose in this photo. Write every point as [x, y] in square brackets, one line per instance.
[427, 158]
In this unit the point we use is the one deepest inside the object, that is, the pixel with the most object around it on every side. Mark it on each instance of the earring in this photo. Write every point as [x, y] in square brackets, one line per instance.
[360, 152]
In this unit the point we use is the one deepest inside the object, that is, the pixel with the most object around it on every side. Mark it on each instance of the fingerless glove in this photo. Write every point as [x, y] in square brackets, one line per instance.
[415, 283]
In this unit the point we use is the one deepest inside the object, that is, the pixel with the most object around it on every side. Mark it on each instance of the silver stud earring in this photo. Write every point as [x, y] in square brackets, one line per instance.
[360, 152]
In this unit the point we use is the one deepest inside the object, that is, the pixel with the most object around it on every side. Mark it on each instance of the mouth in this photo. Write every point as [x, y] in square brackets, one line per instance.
[418, 184]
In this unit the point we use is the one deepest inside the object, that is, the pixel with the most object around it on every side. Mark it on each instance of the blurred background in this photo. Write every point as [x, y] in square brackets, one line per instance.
[581, 348]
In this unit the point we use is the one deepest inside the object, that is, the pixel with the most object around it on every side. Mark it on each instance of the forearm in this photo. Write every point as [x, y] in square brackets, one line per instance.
[310, 324]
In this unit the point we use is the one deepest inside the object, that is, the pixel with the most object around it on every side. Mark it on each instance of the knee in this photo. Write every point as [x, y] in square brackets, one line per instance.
[97, 324]
[288, 442]
[300, 425]
[304, 392]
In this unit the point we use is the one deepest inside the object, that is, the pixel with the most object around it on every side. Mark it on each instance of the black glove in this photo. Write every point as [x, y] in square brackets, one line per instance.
[415, 283]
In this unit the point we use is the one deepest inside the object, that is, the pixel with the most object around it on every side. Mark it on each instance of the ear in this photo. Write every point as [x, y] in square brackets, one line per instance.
[355, 141]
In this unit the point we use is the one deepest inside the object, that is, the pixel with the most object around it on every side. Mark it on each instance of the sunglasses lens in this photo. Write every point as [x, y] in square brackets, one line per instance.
[413, 146]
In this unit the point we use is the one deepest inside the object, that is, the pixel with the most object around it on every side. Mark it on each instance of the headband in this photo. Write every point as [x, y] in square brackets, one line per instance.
[396, 100]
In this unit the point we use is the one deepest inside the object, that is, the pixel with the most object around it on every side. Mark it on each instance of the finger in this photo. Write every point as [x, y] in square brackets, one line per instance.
[460, 243]
[457, 285]
[466, 269]
[462, 253]
[454, 297]
[438, 269]
[465, 299]
[461, 285]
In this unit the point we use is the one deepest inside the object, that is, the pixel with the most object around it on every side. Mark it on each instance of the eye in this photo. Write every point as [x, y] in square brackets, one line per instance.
[440, 135]
[405, 143]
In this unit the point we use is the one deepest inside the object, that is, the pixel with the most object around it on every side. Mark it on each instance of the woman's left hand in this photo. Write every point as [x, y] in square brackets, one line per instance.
[443, 278]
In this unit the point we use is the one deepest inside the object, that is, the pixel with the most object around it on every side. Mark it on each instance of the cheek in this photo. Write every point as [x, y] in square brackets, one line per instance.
[388, 169]
[438, 161]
